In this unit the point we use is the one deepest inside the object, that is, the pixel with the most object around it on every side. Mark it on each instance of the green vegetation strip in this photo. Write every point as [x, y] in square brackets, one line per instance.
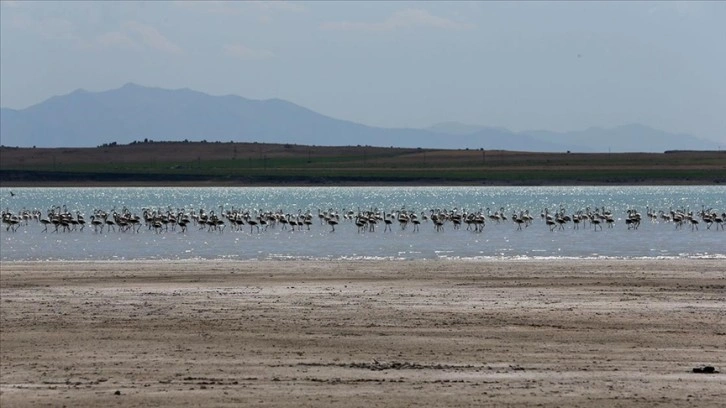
[518, 176]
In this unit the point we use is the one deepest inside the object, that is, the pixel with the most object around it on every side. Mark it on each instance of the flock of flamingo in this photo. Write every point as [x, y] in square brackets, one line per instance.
[60, 219]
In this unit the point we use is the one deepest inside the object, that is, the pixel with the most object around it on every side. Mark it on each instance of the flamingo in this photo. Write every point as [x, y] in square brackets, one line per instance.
[596, 222]
[519, 220]
[416, 222]
[332, 221]
[45, 222]
[388, 221]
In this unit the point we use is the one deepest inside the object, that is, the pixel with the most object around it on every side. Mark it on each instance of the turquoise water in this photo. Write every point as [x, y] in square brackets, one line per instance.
[503, 239]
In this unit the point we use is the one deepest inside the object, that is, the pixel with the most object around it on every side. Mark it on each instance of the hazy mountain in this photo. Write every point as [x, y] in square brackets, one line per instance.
[626, 138]
[133, 112]
[492, 138]
[456, 128]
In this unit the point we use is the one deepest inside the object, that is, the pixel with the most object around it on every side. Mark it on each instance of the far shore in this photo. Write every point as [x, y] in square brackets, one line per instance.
[425, 183]
[252, 164]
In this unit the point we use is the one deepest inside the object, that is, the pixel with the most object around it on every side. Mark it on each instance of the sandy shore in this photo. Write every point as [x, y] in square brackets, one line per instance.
[363, 334]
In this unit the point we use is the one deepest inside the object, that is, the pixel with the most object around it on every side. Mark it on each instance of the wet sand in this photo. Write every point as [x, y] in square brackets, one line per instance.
[363, 334]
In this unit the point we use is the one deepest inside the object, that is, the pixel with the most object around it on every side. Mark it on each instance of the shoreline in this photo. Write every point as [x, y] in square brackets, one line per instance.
[554, 333]
[362, 259]
[437, 183]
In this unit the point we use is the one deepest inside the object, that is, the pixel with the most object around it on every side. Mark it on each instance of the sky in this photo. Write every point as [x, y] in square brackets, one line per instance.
[538, 65]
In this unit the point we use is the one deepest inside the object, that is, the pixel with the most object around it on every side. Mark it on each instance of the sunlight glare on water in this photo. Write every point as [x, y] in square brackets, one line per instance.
[499, 239]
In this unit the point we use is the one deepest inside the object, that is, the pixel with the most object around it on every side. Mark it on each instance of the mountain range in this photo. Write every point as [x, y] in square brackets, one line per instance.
[134, 113]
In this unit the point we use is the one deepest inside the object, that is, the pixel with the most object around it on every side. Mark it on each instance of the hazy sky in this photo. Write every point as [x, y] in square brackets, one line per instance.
[521, 65]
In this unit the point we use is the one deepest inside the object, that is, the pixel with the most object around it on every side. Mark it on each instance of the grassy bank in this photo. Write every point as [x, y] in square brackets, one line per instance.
[253, 163]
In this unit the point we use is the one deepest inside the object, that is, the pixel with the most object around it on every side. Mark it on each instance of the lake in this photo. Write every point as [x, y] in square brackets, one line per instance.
[30, 240]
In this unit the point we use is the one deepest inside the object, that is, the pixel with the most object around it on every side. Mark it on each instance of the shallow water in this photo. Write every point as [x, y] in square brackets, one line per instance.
[498, 240]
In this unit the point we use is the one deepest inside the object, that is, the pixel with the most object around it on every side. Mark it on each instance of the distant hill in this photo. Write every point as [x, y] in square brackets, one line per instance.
[627, 138]
[134, 113]
[619, 139]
